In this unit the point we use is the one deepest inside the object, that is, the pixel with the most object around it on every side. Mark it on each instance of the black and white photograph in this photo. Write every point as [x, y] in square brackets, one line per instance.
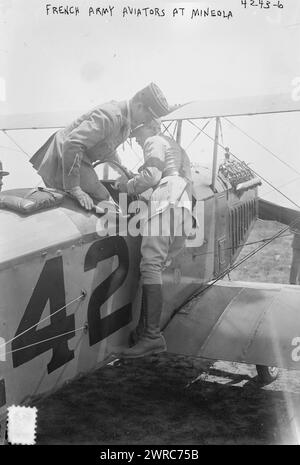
[149, 225]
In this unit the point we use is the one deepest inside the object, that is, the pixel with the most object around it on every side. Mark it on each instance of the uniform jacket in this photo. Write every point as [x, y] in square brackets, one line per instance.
[93, 136]
[167, 170]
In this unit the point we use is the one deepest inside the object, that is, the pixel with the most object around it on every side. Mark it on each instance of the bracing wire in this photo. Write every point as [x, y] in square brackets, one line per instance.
[167, 130]
[82, 295]
[198, 134]
[252, 253]
[257, 174]
[262, 146]
[45, 340]
[244, 245]
[237, 264]
[16, 143]
[10, 148]
[284, 185]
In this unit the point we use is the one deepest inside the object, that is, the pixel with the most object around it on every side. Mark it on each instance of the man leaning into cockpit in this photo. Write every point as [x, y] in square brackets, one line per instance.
[65, 161]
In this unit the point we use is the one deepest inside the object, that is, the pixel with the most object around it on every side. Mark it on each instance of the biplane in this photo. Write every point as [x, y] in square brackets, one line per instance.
[70, 297]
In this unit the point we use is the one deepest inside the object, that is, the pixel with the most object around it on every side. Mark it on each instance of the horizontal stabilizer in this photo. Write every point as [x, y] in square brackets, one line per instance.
[273, 212]
[254, 323]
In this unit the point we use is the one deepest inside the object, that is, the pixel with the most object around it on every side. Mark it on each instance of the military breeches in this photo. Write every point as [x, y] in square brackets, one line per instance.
[89, 183]
[157, 248]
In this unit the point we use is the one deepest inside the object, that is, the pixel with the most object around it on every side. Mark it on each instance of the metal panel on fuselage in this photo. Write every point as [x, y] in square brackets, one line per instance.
[246, 207]
[107, 270]
[221, 255]
[193, 267]
[196, 266]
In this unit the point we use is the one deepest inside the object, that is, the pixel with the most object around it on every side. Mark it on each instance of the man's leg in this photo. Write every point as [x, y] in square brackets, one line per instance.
[90, 183]
[182, 227]
[154, 252]
[139, 330]
[48, 185]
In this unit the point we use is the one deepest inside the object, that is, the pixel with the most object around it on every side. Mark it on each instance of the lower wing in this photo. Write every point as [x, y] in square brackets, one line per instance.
[255, 323]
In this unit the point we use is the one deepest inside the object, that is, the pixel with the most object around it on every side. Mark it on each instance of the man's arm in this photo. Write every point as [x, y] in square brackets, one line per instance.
[151, 172]
[82, 138]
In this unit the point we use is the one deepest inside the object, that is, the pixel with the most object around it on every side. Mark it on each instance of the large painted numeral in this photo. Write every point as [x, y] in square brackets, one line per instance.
[100, 328]
[50, 286]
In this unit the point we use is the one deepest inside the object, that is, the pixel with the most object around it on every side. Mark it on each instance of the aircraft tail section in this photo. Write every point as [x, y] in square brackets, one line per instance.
[273, 212]
[255, 323]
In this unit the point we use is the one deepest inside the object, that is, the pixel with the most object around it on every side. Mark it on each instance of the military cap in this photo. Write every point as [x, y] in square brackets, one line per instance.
[153, 98]
[3, 173]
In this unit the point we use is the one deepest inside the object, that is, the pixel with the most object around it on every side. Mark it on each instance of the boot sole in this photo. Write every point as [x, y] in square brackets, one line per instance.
[150, 352]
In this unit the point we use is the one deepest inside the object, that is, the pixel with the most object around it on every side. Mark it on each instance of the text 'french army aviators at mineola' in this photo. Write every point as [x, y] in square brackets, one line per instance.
[167, 170]
[65, 161]
[2, 173]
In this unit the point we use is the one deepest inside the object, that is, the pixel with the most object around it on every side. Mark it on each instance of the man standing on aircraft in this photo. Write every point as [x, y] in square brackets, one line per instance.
[295, 266]
[2, 173]
[65, 161]
[167, 170]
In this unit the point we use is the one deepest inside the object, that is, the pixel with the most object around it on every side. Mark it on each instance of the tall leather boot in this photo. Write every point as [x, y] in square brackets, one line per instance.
[137, 333]
[152, 341]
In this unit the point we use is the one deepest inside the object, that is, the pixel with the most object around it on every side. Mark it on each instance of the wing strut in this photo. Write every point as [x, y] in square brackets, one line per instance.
[215, 159]
[178, 134]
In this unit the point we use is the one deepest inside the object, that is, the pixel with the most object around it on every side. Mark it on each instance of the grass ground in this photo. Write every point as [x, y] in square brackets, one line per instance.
[272, 263]
[171, 400]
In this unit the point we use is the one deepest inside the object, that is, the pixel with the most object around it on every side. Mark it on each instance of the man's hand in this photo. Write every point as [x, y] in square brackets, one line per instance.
[82, 197]
[122, 187]
[121, 183]
[129, 174]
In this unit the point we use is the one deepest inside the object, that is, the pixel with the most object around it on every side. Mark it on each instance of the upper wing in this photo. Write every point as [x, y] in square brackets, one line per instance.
[253, 105]
[45, 120]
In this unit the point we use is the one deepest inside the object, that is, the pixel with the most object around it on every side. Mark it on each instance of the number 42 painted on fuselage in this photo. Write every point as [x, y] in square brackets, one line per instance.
[29, 342]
